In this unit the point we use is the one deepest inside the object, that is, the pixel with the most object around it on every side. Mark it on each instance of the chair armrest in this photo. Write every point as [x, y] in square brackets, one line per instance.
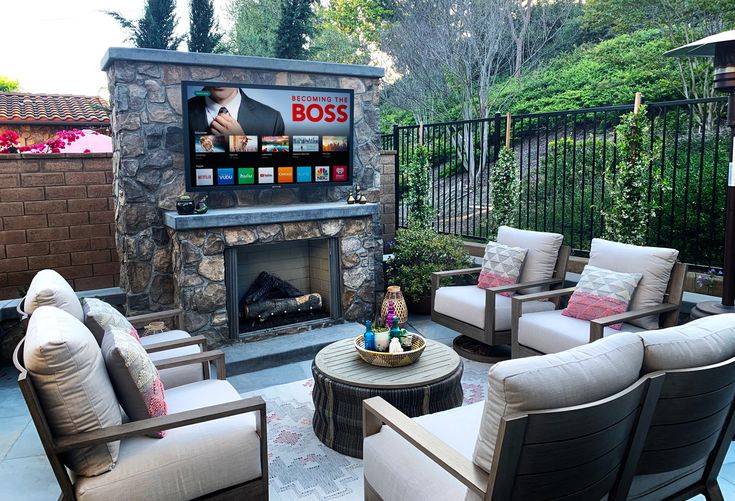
[377, 411]
[597, 326]
[216, 356]
[141, 320]
[456, 273]
[537, 296]
[177, 343]
[145, 426]
[526, 285]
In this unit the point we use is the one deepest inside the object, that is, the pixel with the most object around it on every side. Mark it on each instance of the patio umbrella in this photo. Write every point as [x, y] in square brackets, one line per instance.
[722, 47]
[91, 142]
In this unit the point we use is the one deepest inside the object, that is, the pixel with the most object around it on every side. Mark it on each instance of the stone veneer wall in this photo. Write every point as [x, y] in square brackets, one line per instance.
[200, 267]
[148, 156]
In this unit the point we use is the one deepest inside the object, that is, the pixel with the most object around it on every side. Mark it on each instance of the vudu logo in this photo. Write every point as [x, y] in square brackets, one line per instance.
[225, 176]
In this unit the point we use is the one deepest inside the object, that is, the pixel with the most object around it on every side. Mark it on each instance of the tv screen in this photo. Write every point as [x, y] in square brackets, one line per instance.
[240, 136]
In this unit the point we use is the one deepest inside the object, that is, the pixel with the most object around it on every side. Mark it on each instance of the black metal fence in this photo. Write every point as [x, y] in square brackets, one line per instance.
[386, 142]
[563, 157]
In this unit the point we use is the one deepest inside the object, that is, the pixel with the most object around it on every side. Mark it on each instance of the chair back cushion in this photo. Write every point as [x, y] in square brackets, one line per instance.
[601, 293]
[501, 266]
[99, 315]
[573, 377]
[48, 288]
[68, 373]
[134, 377]
[543, 251]
[699, 343]
[654, 263]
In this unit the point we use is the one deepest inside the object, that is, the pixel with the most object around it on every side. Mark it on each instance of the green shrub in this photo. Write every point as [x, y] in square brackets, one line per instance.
[417, 253]
[505, 191]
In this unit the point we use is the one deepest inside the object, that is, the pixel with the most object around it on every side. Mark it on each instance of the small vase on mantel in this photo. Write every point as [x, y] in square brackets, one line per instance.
[395, 296]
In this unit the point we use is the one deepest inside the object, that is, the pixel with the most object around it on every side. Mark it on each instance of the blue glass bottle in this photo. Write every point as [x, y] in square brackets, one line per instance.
[369, 336]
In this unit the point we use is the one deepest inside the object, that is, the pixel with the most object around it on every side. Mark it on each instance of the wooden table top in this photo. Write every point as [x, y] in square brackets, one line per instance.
[340, 361]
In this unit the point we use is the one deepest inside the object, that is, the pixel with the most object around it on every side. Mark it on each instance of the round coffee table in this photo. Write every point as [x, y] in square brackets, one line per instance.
[342, 380]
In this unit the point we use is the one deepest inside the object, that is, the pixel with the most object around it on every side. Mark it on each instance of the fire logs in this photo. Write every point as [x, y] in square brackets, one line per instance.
[269, 296]
[262, 310]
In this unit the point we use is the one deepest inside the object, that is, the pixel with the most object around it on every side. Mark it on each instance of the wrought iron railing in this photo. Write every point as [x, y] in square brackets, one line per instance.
[563, 157]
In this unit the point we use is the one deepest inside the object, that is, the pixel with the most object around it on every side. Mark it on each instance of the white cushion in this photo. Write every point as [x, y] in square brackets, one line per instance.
[543, 251]
[175, 376]
[655, 263]
[552, 332]
[190, 461]
[48, 288]
[398, 471]
[705, 341]
[574, 377]
[69, 375]
[467, 303]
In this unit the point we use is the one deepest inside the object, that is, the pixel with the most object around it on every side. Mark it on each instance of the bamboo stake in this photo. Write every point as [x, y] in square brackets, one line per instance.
[507, 131]
[637, 103]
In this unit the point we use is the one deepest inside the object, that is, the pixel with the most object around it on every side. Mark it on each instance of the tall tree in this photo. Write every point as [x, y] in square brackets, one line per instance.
[155, 29]
[203, 34]
[294, 29]
[8, 84]
[254, 24]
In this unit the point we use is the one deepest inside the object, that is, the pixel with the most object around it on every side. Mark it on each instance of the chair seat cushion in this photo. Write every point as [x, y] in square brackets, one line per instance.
[191, 461]
[467, 303]
[552, 332]
[543, 251]
[398, 471]
[175, 376]
[574, 377]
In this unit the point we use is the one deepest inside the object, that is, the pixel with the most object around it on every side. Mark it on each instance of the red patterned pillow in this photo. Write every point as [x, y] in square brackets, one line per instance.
[134, 376]
[601, 293]
[501, 266]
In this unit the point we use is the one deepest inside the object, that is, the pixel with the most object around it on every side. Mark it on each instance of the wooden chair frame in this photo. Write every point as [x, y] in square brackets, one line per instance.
[634, 404]
[668, 311]
[54, 446]
[489, 335]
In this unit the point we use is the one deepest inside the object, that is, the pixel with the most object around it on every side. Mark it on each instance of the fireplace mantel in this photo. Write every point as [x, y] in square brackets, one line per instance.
[268, 214]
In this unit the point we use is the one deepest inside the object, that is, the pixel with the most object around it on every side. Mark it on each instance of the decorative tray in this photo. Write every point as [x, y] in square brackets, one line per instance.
[385, 359]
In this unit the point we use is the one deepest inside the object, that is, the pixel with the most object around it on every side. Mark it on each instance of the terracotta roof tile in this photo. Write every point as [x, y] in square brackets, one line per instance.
[24, 107]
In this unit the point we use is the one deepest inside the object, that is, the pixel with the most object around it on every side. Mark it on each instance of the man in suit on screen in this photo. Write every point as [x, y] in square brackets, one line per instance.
[229, 111]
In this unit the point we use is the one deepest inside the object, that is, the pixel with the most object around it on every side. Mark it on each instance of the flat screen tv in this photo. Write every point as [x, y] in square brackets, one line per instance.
[240, 136]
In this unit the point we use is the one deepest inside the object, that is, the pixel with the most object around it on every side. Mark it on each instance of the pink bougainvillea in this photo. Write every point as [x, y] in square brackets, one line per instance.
[9, 142]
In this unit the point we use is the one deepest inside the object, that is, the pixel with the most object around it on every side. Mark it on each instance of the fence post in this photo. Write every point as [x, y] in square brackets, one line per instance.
[496, 139]
[396, 173]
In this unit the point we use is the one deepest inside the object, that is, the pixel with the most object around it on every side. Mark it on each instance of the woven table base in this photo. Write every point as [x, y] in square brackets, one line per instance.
[338, 406]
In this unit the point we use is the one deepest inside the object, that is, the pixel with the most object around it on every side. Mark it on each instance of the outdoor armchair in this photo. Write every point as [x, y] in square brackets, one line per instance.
[215, 445]
[49, 288]
[655, 302]
[485, 314]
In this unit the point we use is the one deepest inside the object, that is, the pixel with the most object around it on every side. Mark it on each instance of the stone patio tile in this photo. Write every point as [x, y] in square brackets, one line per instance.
[252, 381]
[13, 404]
[27, 445]
[11, 428]
[29, 479]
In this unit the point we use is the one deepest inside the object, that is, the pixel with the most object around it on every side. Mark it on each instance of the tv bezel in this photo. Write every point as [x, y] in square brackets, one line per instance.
[188, 146]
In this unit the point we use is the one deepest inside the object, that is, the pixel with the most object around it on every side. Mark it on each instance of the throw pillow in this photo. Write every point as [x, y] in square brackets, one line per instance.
[99, 315]
[48, 288]
[501, 266]
[68, 373]
[134, 377]
[601, 293]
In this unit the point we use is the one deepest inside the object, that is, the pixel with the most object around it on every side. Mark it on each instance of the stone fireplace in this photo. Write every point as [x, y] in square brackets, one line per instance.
[168, 262]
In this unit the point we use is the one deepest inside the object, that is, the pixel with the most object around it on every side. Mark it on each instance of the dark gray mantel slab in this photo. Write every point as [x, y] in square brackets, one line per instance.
[268, 214]
[158, 56]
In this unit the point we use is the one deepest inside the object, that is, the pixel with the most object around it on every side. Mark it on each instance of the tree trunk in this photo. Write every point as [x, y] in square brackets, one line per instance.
[262, 310]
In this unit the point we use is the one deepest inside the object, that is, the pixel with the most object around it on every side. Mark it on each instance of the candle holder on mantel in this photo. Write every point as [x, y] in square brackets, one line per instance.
[400, 309]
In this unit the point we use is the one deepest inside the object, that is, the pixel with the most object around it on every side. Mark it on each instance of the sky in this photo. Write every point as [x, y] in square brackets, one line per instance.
[56, 47]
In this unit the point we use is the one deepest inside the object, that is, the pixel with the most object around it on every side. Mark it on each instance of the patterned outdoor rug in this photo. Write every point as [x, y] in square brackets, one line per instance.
[303, 468]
